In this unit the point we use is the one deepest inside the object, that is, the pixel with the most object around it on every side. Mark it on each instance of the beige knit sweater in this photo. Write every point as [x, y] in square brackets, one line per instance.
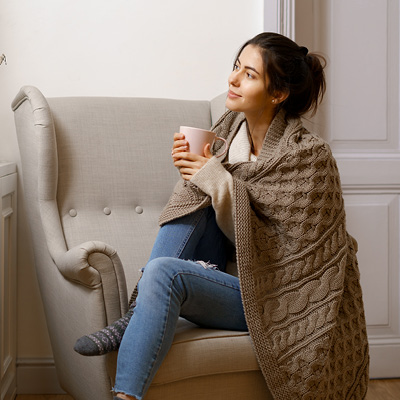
[297, 264]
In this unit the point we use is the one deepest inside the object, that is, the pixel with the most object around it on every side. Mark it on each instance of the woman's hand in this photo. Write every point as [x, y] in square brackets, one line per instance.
[188, 163]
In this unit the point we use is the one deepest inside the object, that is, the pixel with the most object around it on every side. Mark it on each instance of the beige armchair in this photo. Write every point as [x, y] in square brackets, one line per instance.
[97, 173]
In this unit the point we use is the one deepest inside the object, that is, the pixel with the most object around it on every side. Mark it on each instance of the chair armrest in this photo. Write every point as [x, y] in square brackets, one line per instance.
[94, 264]
[75, 264]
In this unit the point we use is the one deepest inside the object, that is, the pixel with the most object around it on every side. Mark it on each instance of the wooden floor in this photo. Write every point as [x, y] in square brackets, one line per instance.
[388, 389]
[43, 397]
[385, 389]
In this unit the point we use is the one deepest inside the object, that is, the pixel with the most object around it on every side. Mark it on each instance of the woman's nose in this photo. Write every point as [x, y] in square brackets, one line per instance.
[233, 79]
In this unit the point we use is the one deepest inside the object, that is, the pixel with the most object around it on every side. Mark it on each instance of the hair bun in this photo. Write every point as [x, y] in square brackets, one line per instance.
[304, 50]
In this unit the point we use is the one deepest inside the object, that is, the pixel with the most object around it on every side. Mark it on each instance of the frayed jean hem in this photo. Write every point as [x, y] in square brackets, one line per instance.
[115, 391]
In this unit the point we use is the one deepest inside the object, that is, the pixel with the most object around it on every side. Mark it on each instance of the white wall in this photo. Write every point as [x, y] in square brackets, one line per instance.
[153, 48]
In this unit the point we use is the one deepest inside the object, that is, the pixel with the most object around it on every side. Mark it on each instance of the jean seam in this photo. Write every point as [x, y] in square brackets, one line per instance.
[208, 279]
[163, 335]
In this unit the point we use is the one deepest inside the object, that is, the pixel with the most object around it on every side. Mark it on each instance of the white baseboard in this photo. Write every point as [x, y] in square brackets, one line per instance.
[384, 362]
[37, 376]
[8, 388]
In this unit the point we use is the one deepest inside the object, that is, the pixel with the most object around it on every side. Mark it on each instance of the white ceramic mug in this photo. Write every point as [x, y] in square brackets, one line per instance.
[198, 138]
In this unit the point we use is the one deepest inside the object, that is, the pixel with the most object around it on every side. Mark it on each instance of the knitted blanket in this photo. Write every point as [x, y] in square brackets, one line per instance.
[297, 264]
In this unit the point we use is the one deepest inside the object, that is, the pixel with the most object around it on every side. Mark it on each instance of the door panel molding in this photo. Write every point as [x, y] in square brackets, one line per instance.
[360, 120]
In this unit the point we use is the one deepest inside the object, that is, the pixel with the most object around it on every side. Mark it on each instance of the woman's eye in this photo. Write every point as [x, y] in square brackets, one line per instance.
[249, 75]
[235, 67]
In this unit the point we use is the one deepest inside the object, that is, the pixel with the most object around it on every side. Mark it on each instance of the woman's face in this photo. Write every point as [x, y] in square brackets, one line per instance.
[248, 83]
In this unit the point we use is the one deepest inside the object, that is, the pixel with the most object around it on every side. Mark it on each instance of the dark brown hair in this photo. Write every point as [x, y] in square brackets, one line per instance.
[291, 69]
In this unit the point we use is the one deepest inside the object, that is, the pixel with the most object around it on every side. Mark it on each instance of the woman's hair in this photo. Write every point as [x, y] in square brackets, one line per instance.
[291, 69]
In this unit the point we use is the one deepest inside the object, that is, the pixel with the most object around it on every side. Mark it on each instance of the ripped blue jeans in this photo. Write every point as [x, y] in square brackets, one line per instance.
[172, 286]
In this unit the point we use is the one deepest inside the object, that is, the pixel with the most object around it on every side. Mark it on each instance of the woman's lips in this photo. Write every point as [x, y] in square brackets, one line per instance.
[233, 95]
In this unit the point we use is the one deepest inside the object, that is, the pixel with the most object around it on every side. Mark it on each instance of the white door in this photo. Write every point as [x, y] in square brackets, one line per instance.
[360, 120]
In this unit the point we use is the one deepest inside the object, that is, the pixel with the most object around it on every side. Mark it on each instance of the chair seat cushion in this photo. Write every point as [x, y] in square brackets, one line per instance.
[198, 352]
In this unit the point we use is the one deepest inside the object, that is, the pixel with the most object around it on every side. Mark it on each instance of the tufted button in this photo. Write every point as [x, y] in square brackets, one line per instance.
[139, 209]
[107, 211]
[72, 212]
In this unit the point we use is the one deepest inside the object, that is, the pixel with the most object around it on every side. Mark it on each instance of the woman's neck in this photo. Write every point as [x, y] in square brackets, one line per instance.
[257, 129]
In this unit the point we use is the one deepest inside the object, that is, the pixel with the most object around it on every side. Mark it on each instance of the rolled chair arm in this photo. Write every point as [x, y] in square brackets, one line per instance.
[76, 265]
[94, 264]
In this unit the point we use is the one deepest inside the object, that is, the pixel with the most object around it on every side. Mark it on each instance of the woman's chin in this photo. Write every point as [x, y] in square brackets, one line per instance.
[230, 105]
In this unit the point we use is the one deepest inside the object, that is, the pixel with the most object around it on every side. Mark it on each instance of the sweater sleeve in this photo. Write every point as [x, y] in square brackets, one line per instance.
[214, 180]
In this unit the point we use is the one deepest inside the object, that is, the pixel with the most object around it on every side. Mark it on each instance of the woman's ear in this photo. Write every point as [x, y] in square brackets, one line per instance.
[280, 97]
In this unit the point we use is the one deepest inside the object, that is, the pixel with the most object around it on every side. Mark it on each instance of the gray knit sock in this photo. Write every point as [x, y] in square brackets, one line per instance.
[106, 340]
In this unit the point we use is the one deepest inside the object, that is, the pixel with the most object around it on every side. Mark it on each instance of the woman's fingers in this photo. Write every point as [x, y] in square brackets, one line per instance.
[178, 136]
[189, 163]
[180, 144]
[187, 172]
[185, 156]
[178, 149]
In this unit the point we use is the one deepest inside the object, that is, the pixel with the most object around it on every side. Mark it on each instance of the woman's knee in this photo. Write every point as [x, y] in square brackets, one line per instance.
[159, 270]
[158, 266]
[161, 276]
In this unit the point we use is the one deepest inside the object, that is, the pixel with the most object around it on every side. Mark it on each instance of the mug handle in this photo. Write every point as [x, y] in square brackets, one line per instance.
[226, 146]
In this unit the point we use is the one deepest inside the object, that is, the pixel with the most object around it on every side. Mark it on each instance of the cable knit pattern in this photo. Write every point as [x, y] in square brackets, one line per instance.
[297, 264]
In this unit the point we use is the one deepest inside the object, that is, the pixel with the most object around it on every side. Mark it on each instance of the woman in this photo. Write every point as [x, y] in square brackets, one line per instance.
[277, 198]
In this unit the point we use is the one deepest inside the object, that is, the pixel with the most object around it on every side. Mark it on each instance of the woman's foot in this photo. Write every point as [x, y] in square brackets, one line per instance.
[106, 340]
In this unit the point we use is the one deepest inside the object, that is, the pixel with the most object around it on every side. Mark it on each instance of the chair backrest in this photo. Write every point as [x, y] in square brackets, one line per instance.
[100, 168]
